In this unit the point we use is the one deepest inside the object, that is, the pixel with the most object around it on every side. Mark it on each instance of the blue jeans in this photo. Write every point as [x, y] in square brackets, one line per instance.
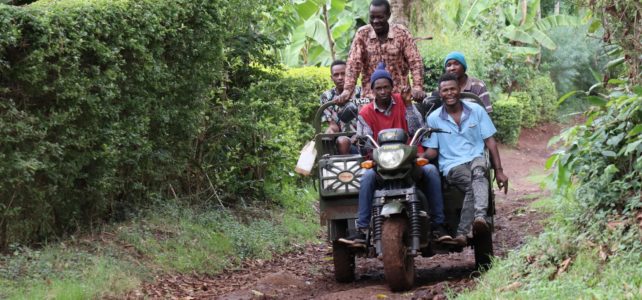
[430, 186]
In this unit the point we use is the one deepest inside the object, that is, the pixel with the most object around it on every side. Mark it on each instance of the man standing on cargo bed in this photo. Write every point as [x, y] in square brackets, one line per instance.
[382, 42]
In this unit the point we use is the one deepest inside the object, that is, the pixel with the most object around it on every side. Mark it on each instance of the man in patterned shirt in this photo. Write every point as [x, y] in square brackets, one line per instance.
[342, 118]
[332, 114]
[455, 63]
[382, 42]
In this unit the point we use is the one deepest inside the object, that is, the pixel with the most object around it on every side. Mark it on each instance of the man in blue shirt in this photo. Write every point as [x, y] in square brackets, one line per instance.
[461, 154]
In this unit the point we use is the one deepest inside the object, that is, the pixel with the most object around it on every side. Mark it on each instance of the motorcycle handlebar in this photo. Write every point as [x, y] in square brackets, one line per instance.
[421, 132]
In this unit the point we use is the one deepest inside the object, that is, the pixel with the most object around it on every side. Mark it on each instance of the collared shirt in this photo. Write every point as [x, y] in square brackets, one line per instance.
[413, 117]
[478, 87]
[399, 53]
[465, 141]
[332, 112]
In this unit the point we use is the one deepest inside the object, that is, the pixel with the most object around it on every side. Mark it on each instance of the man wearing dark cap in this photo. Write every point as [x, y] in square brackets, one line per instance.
[393, 110]
[455, 63]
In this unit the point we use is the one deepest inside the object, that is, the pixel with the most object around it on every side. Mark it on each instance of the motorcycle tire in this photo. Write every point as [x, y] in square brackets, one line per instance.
[398, 266]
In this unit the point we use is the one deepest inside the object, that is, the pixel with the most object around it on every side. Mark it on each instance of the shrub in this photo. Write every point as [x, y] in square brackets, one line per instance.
[263, 131]
[319, 76]
[542, 87]
[507, 117]
[475, 51]
[102, 104]
[530, 107]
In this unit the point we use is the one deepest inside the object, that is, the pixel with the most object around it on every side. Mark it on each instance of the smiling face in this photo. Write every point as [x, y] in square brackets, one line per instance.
[382, 88]
[449, 92]
[455, 67]
[338, 74]
[379, 16]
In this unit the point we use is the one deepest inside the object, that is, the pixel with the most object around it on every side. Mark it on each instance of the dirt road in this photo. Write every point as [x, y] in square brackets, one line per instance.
[307, 272]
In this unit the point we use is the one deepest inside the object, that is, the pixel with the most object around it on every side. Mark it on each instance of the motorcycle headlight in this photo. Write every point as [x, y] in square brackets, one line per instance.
[390, 158]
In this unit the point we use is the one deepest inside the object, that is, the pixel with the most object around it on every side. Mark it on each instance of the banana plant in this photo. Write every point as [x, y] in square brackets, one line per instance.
[527, 31]
[322, 30]
[521, 23]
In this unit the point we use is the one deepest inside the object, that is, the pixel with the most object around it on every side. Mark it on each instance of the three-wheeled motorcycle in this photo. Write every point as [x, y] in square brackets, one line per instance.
[400, 224]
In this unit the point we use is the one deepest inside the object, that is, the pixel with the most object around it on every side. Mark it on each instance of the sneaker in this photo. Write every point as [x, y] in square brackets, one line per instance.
[440, 234]
[359, 237]
[480, 226]
[460, 240]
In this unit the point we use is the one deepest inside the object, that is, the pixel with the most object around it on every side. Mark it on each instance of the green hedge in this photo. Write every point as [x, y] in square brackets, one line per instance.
[543, 88]
[265, 129]
[507, 117]
[100, 104]
[530, 108]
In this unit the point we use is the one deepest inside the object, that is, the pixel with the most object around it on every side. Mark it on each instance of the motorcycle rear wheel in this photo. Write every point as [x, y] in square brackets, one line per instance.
[398, 266]
[483, 246]
[344, 262]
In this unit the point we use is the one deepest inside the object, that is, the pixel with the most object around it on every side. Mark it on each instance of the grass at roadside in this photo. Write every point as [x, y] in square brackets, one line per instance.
[167, 239]
[566, 262]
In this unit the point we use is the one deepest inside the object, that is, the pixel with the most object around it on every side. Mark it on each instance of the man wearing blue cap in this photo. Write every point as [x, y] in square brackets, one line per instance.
[392, 110]
[455, 63]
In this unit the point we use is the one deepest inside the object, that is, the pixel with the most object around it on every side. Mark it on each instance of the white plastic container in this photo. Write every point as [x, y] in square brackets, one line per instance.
[306, 160]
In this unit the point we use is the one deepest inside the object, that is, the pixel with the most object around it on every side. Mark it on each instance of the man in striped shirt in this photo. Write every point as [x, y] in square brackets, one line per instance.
[455, 63]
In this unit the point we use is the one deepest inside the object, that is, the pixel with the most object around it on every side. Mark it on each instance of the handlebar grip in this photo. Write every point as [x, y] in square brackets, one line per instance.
[438, 130]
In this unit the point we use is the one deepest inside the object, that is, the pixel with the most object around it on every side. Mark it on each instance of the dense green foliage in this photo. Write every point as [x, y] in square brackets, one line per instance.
[592, 237]
[434, 52]
[542, 89]
[264, 130]
[101, 102]
[592, 246]
[601, 166]
[507, 117]
[107, 105]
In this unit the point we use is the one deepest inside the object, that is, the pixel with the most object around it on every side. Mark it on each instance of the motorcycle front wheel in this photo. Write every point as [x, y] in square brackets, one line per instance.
[398, 266]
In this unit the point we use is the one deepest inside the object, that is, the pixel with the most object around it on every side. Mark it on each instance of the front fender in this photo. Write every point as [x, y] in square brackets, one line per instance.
[392, 208]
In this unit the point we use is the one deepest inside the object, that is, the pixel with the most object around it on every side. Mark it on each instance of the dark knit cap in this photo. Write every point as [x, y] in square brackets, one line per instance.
[458, 56]
[380, 72]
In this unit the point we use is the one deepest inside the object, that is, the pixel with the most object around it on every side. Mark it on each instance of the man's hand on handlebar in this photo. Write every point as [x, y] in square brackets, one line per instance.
[418, 94]
[406, 95]
[343, 98]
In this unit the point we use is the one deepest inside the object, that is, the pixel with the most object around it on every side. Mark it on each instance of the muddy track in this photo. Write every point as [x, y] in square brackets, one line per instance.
[307, 272]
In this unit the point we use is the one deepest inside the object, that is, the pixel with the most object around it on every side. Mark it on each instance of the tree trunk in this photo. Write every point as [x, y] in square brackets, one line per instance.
[400, 12]
[557, 7]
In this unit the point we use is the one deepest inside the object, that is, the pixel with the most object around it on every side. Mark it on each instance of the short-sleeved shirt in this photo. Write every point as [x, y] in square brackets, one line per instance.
[332, 112]
[478, 87]
[465, 141]
[399, 53]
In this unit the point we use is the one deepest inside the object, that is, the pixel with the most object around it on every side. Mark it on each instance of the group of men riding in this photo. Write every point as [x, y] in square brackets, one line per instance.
[384, 55]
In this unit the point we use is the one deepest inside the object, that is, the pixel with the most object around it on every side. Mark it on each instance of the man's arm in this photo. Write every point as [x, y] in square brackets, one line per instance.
[327, 114]
[485, 97]
[431, 154]
[362, 127]
[354, 65]
[413, 116]
[411, 53]
[502, 179]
